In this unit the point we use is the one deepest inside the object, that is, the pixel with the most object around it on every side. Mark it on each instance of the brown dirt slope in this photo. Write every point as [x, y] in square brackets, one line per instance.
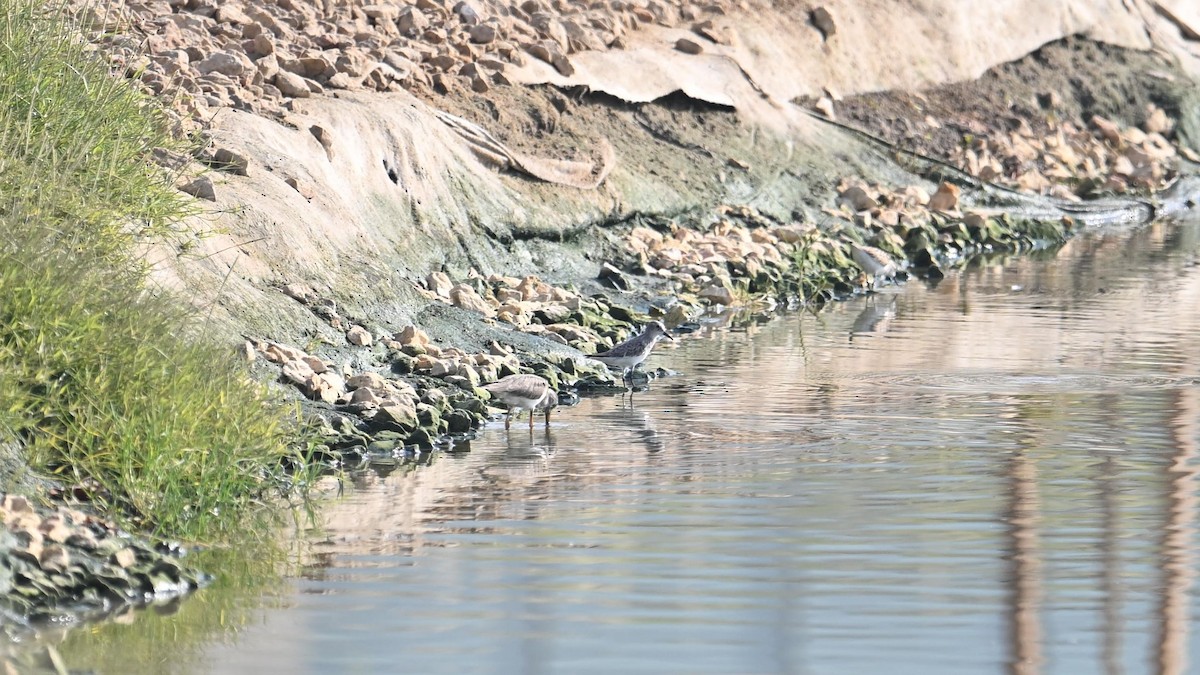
[1067, 80]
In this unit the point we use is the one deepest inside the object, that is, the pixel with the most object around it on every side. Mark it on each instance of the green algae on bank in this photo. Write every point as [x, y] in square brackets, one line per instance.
[418, 394]
[676, 268]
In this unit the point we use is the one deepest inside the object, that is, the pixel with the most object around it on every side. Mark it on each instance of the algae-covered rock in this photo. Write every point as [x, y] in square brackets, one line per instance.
[469, 373]
[403, 364]
[383, 447]
[547, 371]
[566, 364]
[436, 398]
[628, 315]
[429, 416]
[473, 405]
[414, 350]
[396, 416]
[420, 437]
[459, 421]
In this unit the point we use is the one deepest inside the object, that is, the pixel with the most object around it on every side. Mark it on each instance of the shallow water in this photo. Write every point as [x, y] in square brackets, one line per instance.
[997, 474]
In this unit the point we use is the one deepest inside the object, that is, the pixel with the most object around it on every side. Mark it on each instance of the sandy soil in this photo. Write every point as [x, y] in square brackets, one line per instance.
[262, 56]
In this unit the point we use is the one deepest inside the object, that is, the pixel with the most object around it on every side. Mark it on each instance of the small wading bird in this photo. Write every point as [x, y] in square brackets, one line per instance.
[523, 392]
[876, 263]
[633, 351]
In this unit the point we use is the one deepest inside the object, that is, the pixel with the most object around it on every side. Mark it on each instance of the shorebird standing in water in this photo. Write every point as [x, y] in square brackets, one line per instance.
[523, 392]
[876, 263]
[633, 351]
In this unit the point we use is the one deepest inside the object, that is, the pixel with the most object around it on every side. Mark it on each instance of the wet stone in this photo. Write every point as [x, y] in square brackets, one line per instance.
[428, 415]
[383, 446]
[593, 384]
[395, 417]
[437, 398]
[82, 568]
[565, 364]
[459, 421]
[471, 405]
[420, 437]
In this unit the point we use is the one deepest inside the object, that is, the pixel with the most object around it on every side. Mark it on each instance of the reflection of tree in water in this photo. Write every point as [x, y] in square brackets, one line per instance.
[1025, 567]
[1111, 585]
[1176, 557]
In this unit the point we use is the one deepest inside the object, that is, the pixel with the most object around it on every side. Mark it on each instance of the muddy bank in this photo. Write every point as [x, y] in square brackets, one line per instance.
[470, 275]
[359, 191]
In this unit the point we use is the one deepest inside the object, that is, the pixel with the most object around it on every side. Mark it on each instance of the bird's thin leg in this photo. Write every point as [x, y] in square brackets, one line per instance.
[532, 414]
[508, 419]
[547, 417]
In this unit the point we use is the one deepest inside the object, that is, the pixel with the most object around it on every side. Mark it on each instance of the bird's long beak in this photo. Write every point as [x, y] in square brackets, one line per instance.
[669, 336]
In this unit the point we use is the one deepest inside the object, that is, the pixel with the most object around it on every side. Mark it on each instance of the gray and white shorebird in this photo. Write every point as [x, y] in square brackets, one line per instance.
[876, 263]
[633, 351]
[524, 392]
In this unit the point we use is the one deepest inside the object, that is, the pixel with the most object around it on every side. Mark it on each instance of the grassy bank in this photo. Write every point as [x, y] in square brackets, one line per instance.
[104, 382]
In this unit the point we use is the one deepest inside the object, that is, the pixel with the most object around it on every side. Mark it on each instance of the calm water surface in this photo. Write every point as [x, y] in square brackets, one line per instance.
[998, 474]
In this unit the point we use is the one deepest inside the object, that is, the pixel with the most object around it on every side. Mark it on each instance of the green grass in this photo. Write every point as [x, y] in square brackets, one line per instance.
[76, 140]
[101, 377]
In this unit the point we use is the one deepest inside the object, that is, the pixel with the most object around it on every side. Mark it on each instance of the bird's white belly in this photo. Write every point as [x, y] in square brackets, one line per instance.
[620, 361]
[522, 403]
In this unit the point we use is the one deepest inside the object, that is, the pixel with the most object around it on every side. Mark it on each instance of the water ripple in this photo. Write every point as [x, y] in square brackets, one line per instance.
[996, 471]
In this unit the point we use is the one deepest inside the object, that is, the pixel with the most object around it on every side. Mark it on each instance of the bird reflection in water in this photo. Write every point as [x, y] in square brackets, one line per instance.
[537, 444]
[876, 316]
[639, 422]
